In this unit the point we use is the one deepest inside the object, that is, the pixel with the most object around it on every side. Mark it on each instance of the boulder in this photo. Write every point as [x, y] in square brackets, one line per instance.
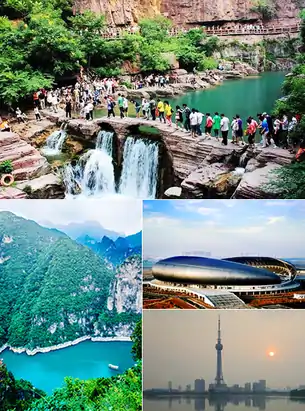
[26, 160]
[253, 184]
[83, 128]
[173, 192]
[208, 181]
[137, 94]
[275, 155]
[45, 187]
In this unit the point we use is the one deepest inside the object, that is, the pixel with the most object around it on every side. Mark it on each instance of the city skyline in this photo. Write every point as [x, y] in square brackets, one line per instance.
[185, 351]
[223, 228]
[115, 215]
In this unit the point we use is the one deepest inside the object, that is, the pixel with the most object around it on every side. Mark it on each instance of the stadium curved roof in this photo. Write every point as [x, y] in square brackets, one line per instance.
[202, 270]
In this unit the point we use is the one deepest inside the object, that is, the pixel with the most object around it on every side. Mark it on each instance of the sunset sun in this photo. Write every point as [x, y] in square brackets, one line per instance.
[271, 353]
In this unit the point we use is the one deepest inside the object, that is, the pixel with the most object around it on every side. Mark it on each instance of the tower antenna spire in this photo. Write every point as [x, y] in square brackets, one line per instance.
[219, 376]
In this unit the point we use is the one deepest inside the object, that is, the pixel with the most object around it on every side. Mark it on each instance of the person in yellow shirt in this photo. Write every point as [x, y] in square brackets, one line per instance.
[168, 112]
[160, 107]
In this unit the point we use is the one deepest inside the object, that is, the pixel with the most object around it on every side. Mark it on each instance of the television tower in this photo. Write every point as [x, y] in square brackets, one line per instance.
[219, 377]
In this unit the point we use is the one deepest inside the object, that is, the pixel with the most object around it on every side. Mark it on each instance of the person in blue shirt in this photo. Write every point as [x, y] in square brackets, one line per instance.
[266, 133]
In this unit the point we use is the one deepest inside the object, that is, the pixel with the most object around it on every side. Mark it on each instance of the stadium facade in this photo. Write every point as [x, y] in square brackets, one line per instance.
[209, 278]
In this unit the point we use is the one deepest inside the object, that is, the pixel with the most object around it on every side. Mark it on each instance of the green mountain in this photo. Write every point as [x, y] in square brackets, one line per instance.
[52, 290]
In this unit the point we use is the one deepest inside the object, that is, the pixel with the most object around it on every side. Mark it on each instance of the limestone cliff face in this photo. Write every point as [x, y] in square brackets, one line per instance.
[125, 291]
[121, 12]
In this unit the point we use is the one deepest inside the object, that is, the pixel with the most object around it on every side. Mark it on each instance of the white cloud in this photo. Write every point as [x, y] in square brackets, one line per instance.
[274, 220]
[242, 230]
[207, 211]
[120, 215]
[279, 203]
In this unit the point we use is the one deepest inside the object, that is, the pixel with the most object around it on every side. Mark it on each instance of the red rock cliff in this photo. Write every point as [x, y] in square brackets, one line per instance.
[122, 12]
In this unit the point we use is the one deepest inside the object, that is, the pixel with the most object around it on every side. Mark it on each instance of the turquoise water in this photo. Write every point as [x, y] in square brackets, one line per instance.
[245, 97]
[235, 404]
[85, 360]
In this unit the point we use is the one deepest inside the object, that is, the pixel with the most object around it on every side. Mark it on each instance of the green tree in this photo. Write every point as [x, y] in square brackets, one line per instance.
[155, 29]
[137, 341]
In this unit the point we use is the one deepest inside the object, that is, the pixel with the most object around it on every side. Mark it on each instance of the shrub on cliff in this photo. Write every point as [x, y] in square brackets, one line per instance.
[266, 9]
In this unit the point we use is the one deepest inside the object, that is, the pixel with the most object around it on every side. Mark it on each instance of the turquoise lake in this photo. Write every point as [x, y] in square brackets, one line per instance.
[245, 97]
[85, 360]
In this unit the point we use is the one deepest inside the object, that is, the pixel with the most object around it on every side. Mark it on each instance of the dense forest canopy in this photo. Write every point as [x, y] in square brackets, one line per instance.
[53, 290]
[43, 42]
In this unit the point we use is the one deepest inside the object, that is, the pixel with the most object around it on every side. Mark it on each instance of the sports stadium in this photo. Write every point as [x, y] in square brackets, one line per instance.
[236, 282]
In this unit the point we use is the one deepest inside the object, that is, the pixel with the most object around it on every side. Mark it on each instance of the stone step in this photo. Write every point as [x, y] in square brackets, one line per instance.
[7, 138]
[10, 193]
[29, 161]
[29, 172]
[17, 151]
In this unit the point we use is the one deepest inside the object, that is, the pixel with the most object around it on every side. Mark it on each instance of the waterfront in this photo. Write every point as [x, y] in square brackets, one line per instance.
[245, 97]
[86, 360]
[234, 404]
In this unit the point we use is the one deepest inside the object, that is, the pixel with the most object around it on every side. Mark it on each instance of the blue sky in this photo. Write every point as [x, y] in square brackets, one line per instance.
[224, 227]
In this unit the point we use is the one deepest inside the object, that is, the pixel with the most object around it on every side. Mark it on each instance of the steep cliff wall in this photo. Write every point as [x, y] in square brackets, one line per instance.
[121, 12]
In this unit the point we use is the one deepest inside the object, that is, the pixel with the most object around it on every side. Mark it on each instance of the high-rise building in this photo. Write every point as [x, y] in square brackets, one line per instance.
[262, 385]
[170, 386]
[219, 376]
[200, 385]
[248, 387]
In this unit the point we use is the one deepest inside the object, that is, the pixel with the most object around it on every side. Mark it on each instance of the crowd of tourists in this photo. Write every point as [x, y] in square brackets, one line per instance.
[274, 130]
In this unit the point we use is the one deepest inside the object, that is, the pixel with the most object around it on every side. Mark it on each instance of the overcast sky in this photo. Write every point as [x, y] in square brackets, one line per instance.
[224, 227]
[179, 346]
[120, 215]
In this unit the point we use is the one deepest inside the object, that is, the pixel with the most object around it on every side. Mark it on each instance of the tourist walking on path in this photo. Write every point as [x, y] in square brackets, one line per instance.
[68, 108]
[20, 115]
[239, 131]
[265, 133]
[234, 127]
[179, 118]
[54, 102]
[168, 112]
[224, 128]
[90, 109]
[37, 114]
[251, 130]
[121, 105]
[193, 121]
[42, 99]
[199, 121]
[110, 107]
[137, 106]
[147, 109]
[208, 124]
[152, 104]
[125, 106]
[216, 124]
[160, 107]
[187, 112]
[284, 132]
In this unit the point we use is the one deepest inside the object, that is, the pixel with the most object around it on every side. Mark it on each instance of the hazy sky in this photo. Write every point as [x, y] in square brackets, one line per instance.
[179, 346]
[224, 227]
[123, 216]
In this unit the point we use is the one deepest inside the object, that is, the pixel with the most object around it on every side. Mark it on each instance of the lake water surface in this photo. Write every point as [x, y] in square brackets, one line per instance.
[85, 360]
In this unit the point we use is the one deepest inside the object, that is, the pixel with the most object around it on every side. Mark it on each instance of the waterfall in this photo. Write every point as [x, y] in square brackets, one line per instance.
[140, 169]
[93, 175]
[54, 143]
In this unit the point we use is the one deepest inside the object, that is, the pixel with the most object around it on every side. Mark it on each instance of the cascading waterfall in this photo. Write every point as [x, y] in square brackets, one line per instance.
[93, 175]
[54, 143]
[140, 169]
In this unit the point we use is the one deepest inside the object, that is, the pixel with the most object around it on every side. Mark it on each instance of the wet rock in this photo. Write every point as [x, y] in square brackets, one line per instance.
[173, 192]
[45, 187]
[252, 165]
[208, 181]
[83, 128]
[275, 155]
[253, 184]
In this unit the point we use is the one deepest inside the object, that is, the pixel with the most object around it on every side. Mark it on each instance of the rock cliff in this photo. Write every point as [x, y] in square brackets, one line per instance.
[125, 290]
[122, 12]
